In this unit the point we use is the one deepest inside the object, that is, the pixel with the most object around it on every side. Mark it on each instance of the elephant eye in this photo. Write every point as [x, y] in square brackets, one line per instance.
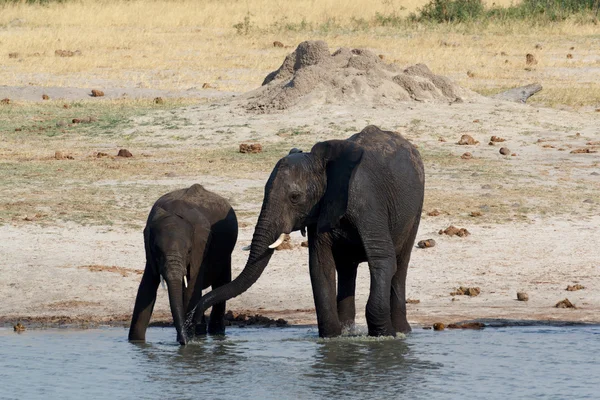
[295, 197]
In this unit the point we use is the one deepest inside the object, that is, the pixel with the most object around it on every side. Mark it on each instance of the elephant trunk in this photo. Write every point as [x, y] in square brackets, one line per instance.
[174, 278]
[260, 254]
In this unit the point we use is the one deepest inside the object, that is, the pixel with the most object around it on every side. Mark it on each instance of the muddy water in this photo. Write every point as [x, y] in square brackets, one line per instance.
[292, 363]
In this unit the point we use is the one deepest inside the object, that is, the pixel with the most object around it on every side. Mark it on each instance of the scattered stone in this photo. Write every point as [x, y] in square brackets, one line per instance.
[441, 139]
[423, 244]
[256, 319]
[5, 101]
[286, 244]
[101, 154]
[18, 129]
[586, 150]
[497, 139]
[466, 156]
[59, 155]
[466, 291]
[433, 213]
[471, 74]
[467, 325]
[158, 100]
[45, 97]
[19, 327]
[381, 57]
[538, 46]
[427, 327]
[574, 288]
[569, 56]
[504, 54]
[513, 155]
[572, 48]
[530, 59]
[452, 231]
[466, 140]
[97, 93]
[505, 151]
[206, 85]
[475, 214]
[522, 296]
[13, 55]
[67, 53]
[85, 120]
[250, 148]
[565, 304]
[438, 326]
[66, 106]
[278, 44]
[412, 301]
[304, 243]
[124, 153]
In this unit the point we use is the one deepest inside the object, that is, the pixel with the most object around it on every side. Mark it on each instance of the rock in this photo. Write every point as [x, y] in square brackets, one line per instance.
[519, 94]
[6, 100]
[381, 57]
[97, 93]
[522, 296]
[67, 53]
[466, 291]
[84, 120]
[433, 213]
[574, 288]
[158, 100]
[278, 44]
[452, 231]
[565, 304]
[497, 139]
[585, 150]
[427, 327]
[588, 201]
[438, 326]
[538, 46]
[304, 243]
[256, 319]
[250, 148]
[19, 327]
[513, 155]
[569, 56]
[59, 155]
[66, 106]
[505, 151]
[467, 140]
[287, 243]
[467, 325]
[412, 301]
[466, 156]
[124, 153]
[45, 97]
[101, 154]
[423, 244]
[471, 74]
[530, 59]
[18, 129]
[475, 214]
[206, 85]
[13, 55]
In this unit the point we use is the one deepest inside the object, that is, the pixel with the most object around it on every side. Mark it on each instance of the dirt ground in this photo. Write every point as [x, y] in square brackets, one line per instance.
[533, 214]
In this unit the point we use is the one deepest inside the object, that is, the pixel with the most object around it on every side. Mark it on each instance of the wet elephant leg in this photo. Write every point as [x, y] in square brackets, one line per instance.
[398, 288]
[216, 323]
[144, 305]
[346, 309]
[322, 277]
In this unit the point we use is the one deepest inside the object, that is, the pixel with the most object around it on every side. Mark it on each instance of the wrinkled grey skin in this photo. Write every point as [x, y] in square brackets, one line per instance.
[360, 199]
[189, 232]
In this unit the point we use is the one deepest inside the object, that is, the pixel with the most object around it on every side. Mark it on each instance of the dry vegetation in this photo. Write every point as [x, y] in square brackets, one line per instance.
[184, 44]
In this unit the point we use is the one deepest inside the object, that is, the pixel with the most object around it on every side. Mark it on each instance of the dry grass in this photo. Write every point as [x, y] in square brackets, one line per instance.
[179, 45]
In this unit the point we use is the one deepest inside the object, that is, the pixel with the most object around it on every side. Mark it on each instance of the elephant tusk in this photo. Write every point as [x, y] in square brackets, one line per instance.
[162, 282]
[185, 281]
[247, 248]
[278, 241]
[303, 231]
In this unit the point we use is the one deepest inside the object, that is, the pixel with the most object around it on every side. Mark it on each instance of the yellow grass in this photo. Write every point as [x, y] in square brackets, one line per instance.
[182, 44]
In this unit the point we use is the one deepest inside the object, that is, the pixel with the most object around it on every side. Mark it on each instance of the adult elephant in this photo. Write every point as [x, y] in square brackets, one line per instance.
[189, 237]
[360, 199]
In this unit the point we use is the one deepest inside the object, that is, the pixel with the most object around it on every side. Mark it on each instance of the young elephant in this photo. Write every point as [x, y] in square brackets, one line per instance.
[189, 237]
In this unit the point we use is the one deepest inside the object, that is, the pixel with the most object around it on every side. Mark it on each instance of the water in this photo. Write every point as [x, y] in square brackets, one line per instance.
[292, 363]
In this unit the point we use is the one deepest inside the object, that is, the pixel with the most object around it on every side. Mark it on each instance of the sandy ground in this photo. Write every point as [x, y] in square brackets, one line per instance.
[541, 242]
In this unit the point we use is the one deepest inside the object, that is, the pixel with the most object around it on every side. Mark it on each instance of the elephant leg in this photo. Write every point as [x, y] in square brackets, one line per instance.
[199, 324]
[346, 289]
[322, 277]
[398, 294]
[216, 323]
[144, 305]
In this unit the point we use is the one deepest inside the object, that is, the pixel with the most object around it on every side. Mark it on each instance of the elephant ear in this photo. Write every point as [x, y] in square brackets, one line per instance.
[340, 158]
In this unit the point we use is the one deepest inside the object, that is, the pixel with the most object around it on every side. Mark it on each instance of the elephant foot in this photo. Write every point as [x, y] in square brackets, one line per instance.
[182, 339]
[200, 329]
[381, 331]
